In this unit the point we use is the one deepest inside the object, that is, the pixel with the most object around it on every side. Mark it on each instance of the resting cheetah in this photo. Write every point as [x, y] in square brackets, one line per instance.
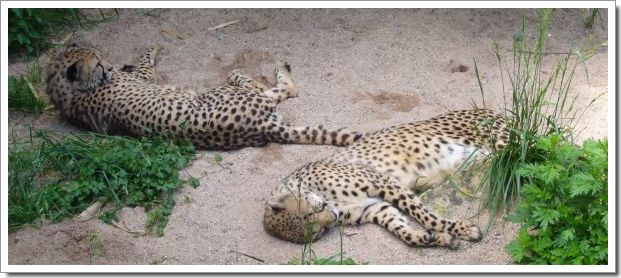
[370, 181]
[90, 94]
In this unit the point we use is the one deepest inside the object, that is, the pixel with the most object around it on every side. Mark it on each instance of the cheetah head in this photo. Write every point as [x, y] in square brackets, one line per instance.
[299, 220]
[77, 69]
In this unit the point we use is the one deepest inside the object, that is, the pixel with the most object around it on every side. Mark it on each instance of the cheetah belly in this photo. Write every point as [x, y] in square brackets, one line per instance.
[436, 172]
[370, 201]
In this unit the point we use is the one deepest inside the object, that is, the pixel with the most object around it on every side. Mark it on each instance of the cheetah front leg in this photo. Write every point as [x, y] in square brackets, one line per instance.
[409, 203]
[391, 218]
[146, 65]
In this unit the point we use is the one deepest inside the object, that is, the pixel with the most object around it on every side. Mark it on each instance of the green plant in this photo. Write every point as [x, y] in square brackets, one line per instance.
[590, 20]
[54, 176]
[564, 205]
[97, 246]
[22, 97]
[308, 254]
[323, 261]
[540, 105]
[24, 90]
[29, 28]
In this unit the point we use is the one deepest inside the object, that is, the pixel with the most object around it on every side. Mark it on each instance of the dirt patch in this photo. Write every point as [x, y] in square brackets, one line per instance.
[401, 102]
[272, 156]
[454, 66]
[73, 242]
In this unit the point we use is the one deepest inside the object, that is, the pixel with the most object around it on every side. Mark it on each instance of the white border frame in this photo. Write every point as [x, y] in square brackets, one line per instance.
[611, 268]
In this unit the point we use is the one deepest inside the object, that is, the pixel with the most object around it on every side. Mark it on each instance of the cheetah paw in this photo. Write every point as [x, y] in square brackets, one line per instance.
[234, 72]
[454, 243]
[467, 231]
[282, 69]
[157, 47]
[441, 239]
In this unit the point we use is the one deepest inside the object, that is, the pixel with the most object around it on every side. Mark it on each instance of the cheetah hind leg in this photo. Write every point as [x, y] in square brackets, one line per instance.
[285, 86]
[146, 65]
[237, 78]
[461, 229]
[387, 215]
[411, 204]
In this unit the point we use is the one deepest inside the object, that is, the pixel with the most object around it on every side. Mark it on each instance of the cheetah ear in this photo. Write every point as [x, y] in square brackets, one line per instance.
[275, 204]
[73, 71]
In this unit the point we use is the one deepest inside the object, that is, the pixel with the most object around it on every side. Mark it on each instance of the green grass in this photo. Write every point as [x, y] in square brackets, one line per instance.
[308, 256]
[332, 260]
[540, 105]
[96, 244]
[22, 97]
[54, 176]
[24, 90]
[590, 20]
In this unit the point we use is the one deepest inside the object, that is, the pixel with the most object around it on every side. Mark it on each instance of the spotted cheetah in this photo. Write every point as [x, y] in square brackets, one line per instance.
[372, 181]
[90, 94]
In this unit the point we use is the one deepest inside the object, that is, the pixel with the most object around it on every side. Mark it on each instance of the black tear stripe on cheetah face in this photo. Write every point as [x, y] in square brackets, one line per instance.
[371, 181]
[90, 94]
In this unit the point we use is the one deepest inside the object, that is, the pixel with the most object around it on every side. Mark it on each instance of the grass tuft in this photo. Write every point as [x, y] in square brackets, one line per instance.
[541, 105]
[53, 176]
[96, 244]
[590, 20]
[308, 256]
[24, 91]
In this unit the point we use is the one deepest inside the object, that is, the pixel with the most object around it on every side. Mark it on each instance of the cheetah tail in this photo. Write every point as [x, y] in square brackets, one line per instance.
[314, 135]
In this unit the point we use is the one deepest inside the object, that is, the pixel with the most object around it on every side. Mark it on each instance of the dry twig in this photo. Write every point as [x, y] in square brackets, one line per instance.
[223, 25]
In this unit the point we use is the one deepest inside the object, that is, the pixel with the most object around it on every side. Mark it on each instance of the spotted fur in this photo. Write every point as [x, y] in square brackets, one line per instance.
[371, 181]
[89, 93]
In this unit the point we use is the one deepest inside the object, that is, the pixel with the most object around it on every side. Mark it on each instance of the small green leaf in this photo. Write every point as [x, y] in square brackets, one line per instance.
[583, 184]
[217, 158]
[194, 182]
[566, 235]
[545, 217]
[22, 39]
[18, 12]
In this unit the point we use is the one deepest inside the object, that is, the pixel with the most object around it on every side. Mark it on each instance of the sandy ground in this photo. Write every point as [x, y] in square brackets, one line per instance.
[362, 69]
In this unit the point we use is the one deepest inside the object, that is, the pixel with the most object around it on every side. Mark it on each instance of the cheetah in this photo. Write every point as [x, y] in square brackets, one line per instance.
[374, 179]
[91, 94]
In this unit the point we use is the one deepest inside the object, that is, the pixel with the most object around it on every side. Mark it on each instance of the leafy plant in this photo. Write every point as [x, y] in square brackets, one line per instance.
[29, 28]
[54, 176]
[564, 205]
[540, 105]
